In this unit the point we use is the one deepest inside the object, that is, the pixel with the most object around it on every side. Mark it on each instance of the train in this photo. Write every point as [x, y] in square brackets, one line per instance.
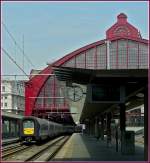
[33, 129]
[10, 125]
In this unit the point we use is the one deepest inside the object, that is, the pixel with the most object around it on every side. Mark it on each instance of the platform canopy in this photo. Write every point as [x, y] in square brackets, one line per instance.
[134, 81]
[75, 75]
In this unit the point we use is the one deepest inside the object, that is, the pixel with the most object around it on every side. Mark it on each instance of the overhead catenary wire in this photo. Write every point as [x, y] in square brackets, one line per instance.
[17, 45]
[21, 49]
[9, 56]
[25, 74]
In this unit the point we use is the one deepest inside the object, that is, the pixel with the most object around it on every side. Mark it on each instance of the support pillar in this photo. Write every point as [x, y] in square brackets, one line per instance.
[87, 128]
[122, 117]
[122, 121]
[108, 128]
[146, 123]
[102, 127]
[92, 128]
[97, 131]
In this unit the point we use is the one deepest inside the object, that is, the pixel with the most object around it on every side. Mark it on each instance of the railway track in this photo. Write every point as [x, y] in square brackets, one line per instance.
[11, 150]
[44, 152]
[48, 152]
[7, 147]
[52, 155]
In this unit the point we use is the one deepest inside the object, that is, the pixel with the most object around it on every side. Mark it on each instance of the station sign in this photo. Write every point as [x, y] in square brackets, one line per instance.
[105, 93]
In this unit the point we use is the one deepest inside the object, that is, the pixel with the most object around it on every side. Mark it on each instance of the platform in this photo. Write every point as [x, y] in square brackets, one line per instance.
[87, 148]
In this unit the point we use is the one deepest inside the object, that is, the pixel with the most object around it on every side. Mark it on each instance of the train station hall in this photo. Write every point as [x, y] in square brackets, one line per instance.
[99, 94]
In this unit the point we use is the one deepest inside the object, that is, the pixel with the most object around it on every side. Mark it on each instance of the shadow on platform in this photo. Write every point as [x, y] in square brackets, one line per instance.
[87, 148]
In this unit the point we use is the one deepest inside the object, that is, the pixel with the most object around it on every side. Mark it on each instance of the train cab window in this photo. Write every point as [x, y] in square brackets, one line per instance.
[28, 124]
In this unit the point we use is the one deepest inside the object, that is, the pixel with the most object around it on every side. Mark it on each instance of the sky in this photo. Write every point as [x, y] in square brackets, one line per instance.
[50, 30]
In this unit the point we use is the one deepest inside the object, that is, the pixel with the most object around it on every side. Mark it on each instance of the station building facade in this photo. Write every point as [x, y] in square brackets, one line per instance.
[122, 49]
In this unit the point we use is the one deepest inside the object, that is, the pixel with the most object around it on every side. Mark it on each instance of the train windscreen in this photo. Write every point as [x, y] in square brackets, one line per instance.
[28, 124]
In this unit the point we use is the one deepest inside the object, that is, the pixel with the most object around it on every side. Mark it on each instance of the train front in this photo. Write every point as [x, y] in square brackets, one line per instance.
[28, 129]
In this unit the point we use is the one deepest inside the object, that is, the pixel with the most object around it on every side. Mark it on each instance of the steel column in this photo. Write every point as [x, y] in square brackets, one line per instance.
[127, 53]
[102, 127]
[122, 117]
[117, 55]
[138, 56]
[108, 128]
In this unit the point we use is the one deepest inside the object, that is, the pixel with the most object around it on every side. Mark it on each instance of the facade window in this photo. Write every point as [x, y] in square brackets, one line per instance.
[5, 104]
[70, 63]
[113, 55]
[90, 57]
[101, 57]
[80, 61]
[5, 97]
[3, 89]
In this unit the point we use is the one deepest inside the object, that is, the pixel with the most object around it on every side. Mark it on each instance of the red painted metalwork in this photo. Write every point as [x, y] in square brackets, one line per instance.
[85, 60]
[117, 55]
[53, 93]
[95, 57]
[127, 53]
[122, 28]
[44, 99]
[106, 56]
[34, 86]
[138, 57]
[75, 62]
[69, 56]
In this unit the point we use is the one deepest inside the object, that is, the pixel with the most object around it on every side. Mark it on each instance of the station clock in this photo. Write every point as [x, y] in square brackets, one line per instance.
[74, 93]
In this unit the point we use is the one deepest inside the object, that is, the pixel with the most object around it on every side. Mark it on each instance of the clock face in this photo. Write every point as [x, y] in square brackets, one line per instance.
[121, 30]
[74, 93]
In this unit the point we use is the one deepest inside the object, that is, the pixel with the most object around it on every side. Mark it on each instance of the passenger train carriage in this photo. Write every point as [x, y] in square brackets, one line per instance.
[37, 129]
[10, 125]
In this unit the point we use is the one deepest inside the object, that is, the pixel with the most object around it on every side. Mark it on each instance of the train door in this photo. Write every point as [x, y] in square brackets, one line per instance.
[5, 129]
[13, 128]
